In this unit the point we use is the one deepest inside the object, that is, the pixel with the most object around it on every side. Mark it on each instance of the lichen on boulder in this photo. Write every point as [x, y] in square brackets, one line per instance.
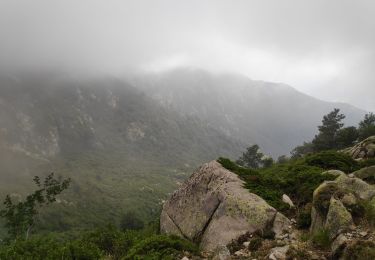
[212, 208]
[338, 219]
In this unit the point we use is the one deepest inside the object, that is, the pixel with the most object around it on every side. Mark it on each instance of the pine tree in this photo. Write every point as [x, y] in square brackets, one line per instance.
[331, 124]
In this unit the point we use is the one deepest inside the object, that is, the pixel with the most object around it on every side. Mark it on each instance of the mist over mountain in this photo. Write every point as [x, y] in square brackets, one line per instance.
[112, 139]
[51, 116]
[273, 115]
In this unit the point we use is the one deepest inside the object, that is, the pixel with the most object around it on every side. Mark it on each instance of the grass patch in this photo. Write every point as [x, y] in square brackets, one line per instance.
[320, 239]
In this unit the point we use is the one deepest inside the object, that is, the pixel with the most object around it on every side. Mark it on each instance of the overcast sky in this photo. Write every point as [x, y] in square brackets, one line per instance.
[325, 48]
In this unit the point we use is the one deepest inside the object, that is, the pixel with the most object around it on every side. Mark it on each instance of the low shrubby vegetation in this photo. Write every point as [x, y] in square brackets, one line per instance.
[131, 240]
[107, 242]
[295, 178]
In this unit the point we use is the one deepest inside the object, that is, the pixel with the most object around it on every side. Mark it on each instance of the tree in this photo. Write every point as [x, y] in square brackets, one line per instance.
[302, 150]
[331, 124]
[20, 217]
[267, 162]
[367, 126]
[282, 159]
[252, 158]
[346, 137]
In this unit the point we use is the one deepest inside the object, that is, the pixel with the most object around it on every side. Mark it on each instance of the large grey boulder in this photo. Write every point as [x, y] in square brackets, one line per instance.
[212, 208]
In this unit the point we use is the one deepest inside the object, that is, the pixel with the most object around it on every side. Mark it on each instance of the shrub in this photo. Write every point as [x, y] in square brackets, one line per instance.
[293, 178]
[131, 221]
[255, 243]
[367, 163]
[332, 160]
[49, 248]
[111, 241]
[160, 247]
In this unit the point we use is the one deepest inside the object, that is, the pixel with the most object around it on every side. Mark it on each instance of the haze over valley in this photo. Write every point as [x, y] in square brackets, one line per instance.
[162, 118]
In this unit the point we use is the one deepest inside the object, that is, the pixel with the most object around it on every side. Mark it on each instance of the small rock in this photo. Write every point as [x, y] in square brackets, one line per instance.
[240, 253]
[221, 253]
[185, 258]
[278, 253]
[288, 201]
[272, 257]
[246, 244]
[284, 236]
[293, 220]
[363, 233]
[338, 245]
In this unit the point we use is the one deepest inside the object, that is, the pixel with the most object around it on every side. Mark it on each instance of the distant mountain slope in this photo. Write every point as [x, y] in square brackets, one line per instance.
[275, 116]
[47, 117]
[123, 150]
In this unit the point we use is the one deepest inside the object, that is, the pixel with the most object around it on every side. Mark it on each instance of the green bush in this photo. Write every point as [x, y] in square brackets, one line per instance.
[332, 160]
[160, 247]
[78, 249]
[107, 242]
[255, 243]
[49, 248]
[111, 241]
[367, 163]
[293, 178]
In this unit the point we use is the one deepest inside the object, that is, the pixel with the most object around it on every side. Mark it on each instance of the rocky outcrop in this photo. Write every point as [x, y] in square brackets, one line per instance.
[338, 220]
[367, 174]
[363, 150]
[334, 207]
[212, 208]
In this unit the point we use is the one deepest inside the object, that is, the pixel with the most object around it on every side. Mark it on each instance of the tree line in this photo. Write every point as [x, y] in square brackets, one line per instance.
[332, 135]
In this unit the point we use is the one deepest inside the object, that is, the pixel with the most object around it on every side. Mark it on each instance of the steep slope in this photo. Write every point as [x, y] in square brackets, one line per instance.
[275, 116]
[122, 149]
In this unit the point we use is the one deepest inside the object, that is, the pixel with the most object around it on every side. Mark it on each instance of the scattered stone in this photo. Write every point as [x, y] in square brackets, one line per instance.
[240, 253]
[278, 253]
[363, 233]
[338, 246]
[185, 258]
[246, 244]
[221, 253]
[288, 201]
[280, 225]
